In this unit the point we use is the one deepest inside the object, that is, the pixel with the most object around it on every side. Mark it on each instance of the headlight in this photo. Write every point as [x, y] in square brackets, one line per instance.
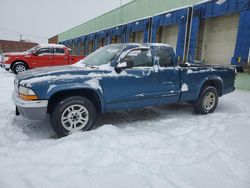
[5, 58]
[26, 93]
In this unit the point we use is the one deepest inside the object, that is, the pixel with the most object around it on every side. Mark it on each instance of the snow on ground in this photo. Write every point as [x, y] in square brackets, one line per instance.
[165, 146]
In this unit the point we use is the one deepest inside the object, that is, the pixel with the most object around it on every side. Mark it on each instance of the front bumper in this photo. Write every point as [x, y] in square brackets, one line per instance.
[5, 66]
[34, 110]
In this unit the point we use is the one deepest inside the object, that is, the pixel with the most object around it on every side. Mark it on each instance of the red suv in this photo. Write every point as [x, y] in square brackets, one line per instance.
[39, 56]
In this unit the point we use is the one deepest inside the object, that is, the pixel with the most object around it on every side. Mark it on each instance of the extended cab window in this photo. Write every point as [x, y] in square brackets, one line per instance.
[165, 57]
[59, 51]
[140, 58]
[44, 51]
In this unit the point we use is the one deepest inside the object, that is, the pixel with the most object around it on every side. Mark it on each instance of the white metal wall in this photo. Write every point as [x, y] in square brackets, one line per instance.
[139, 37]
[169, 35]
[219, 39]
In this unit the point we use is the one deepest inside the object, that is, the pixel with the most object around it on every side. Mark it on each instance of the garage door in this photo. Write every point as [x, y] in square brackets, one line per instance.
[217, 39]
[168, 34]
[136, 37]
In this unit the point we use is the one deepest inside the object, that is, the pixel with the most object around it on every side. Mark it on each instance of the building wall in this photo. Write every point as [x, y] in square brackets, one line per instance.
[53, 40]
[15, 46]
[191, 35]
[223, 10]
[129, 12]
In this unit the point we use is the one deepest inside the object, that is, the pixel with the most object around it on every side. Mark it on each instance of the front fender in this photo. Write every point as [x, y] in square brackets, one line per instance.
[53, 89]
[18, 60]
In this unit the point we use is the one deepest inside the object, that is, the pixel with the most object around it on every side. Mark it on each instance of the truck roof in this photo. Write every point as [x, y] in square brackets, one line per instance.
[142, 44]
[52, 45]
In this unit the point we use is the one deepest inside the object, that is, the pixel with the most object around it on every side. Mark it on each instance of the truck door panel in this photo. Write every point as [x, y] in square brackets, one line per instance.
[169, 76]
[60, 57]
[43, 57]
[134, 87]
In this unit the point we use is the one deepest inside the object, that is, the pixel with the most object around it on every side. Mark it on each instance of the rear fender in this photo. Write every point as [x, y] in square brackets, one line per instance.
[212, 78]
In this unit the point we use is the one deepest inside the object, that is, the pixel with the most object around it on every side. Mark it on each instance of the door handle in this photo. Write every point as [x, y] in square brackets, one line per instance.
[154, 76]
[50, 57]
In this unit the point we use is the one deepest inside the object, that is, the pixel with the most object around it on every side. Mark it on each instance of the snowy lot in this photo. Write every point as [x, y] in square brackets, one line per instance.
[166, 147]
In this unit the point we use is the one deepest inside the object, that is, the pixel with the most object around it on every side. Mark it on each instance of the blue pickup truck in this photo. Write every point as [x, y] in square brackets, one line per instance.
[117, 77]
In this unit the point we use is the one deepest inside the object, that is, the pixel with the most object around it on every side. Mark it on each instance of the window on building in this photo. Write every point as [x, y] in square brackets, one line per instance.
[91, 46]
[100, 43]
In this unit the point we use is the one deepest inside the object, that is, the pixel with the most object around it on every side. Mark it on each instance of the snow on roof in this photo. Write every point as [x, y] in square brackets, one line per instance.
[52, 45]
[161, 44]
[172, 10]
[218, 2]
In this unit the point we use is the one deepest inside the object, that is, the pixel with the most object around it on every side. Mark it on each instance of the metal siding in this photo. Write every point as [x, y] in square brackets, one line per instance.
[79, 48]
[129, 12]
[181, 41]
[243, 40]
[219, 39]
[193, 38]
[169, 19]
[138, 26]
[168, 34]
[117, 32]
[211, 9]
[139, 37]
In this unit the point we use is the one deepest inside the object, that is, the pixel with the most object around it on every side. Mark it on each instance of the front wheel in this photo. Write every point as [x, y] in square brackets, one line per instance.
[73, 114]
[19, 67]
[207, 101]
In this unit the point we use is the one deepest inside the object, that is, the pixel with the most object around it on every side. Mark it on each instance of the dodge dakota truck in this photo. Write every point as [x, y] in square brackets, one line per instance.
[117, 77]
[38, 56]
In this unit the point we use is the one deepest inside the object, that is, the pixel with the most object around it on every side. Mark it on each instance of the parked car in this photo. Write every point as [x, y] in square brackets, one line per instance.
[117, 77]
[39, 56]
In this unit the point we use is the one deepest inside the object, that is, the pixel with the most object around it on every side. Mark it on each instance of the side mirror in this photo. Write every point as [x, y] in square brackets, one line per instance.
[124, 64]
[34, 53]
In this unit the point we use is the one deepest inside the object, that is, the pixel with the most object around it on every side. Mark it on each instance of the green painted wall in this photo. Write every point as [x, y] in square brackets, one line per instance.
[134, 10]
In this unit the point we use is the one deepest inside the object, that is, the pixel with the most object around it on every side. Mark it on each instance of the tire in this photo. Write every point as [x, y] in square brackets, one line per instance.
[7, 69]
[66, 116]
[19, 67]
[207, 101]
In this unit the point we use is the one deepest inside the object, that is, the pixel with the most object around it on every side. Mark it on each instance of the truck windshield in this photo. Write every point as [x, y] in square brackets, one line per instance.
[31, 49]
[103, 55]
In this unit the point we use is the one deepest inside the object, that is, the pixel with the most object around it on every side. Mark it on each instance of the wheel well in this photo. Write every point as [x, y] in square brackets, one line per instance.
[20, 62]
[214, 83]
[87, 93]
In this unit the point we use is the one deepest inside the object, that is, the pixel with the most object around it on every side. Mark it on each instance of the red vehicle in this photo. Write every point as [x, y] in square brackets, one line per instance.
[39, 56]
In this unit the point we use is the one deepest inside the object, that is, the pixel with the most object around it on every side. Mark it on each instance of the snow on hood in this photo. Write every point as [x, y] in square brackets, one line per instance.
[66, 74]
[49, 74]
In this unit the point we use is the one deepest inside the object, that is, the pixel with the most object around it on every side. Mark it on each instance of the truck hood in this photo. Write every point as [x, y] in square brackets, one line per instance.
[15, 53]
[60, 73]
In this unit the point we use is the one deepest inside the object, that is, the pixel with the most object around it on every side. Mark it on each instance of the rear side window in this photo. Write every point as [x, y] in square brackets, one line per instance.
[59, 51]
[140, 58]
[165, 57]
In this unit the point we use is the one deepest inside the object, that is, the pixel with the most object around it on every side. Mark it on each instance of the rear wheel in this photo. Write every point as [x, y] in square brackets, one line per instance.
[19, 67]
[73, 114]
[207, 101]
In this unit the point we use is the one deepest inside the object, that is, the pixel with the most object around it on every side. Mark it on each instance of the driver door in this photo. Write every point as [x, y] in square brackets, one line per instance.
[43, 57]
[133, 87]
